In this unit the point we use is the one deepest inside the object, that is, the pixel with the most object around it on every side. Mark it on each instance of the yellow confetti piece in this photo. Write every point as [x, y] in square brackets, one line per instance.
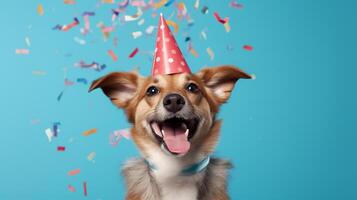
[159, 4]
[173, 24]
[193, 52]
[210, 53]
[89, 132]
[108, 1]
[91, 156]
[40, 10]
[227, 27]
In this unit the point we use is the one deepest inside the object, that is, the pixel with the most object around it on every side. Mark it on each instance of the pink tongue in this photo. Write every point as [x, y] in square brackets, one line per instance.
[175, 139]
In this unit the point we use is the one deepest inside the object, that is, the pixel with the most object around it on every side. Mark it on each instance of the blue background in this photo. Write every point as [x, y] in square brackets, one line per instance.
[290, 133]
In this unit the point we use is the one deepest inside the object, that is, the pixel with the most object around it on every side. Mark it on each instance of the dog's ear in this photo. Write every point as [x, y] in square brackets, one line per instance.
[220, 81]
[120, 87]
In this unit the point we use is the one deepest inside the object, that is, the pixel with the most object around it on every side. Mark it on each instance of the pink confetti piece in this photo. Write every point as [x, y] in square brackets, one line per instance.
[68, 82]
[85, 188]
[71, 25]
[112, 54]
[133, 53]
[115, 137]
[74, 172]
[219, 19]
[61, 148]
[22, 51]
[71, 188]
[235, 4]
[248, 47]
[69, 1]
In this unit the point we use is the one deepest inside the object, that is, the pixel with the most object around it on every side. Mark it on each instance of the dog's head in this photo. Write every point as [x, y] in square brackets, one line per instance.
[173, 112]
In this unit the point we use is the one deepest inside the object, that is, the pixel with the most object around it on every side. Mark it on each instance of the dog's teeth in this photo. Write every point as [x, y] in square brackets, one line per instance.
[186, 133]
[163, 132]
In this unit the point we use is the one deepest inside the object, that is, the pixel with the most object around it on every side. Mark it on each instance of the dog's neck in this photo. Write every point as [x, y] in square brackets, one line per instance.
[165, 165]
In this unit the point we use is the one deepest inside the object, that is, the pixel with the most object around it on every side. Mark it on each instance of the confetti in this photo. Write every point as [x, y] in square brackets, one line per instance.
[82, 80]
[68, 26]
[203, 35]
[40, 10]
[89, 132]
[115, 14]
[115, 137]
[197, 4]
[94, 65]
[210, 53]
[149, 30]
[91, 156]
[56, 129]
[61, 148]
[235, 4]
[74, 172]
[85, 188]
[49, 134]
[108, 1]
[219, 19]
[248, 47]
[159, 4]
[27, 40]
[123, 5]
[69, 1]
[59, 97]
[79, 40]
[133, 53]
[136, 34]
[141, 22]
[71, 188]
[68, 82]
[227, 27]
[173, 24]
[169, 2]
[129, 18]
[22, 51]
[204, 10]
[86, 16]
[112, 55]
[138, 3]
[39, 72]
[193, 52]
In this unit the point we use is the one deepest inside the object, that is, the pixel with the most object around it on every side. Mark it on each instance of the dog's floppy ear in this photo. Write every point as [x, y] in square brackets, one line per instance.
[220, 81]
[120, 87]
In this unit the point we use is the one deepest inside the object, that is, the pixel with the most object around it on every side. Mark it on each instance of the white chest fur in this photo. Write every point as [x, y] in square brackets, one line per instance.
[167, 175]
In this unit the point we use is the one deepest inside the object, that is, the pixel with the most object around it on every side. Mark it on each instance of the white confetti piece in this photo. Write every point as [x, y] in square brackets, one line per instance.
[141, 22]
[49, 134]
[136, 34]
[149, 30]
[27, 40]
[79, 40]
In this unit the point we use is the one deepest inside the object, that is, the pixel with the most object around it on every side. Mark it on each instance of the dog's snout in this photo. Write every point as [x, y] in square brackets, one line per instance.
[173, 102]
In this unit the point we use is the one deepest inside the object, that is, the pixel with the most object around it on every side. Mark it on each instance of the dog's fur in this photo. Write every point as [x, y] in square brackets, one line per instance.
[128, 90]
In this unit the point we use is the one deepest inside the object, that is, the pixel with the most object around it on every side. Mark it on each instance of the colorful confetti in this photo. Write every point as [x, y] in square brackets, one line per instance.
[112, 55]
[115, 137]
[69, 1]
[133, 53]
[210, 53]
[197, 4]
[94, 65]
[248, 47]
[91, 156]
[135, 17]
[173, 24]
[74, 172]
[49, 134]
[40, 10]
[27, 41]
[79, 40]
[85, 188]
[82, 80]
[89, 132]
[39, 72]
[61, 148]
[71, 188]
[219, 19]
[136, 34]
[59, 97]
[22, 51]
[68, 26]
[235, 4]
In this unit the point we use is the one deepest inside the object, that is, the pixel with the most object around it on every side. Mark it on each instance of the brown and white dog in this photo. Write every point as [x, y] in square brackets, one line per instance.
[175, 129]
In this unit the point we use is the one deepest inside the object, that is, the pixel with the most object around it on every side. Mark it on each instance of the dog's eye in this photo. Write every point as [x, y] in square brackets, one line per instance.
[192, 88]
[152, 90]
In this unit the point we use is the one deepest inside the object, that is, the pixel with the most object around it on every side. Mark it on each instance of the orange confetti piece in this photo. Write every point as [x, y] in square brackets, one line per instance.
[159, 4]
[74, 172]
[71, 188]
[89, 132]
[193, 52]
[40, 10]
[107, 1]
[69, 1]
[173, 24]
[227, 26]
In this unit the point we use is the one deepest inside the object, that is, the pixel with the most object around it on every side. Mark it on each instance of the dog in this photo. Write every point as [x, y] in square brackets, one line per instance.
[175, 128]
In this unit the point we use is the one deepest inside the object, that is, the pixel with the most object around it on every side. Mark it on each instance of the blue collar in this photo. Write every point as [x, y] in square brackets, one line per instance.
[189, 170]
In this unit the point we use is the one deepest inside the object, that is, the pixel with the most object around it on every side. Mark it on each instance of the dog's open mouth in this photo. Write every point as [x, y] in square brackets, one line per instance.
[175, 133]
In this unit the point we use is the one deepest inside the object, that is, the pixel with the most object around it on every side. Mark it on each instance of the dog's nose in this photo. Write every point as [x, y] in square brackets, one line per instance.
[174, 102]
